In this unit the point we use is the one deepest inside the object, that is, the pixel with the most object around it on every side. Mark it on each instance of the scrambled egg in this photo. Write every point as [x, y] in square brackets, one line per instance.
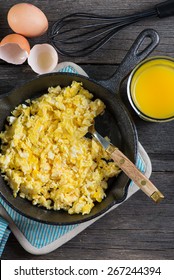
[45, 156]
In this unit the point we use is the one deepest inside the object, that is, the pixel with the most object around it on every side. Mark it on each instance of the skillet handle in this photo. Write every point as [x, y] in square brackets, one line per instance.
[132, 58]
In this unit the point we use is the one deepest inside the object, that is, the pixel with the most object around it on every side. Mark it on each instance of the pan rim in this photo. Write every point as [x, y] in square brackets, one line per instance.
[126, 186]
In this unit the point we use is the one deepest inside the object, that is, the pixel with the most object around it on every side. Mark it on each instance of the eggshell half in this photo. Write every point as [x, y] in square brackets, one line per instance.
[27, 20]
[43, 58]
[14, 48]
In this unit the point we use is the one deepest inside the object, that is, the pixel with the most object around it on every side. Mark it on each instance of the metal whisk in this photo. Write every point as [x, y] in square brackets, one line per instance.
[80, 34]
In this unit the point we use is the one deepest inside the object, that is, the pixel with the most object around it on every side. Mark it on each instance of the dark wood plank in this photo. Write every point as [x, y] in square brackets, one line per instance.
[138, 229]
[115, 50]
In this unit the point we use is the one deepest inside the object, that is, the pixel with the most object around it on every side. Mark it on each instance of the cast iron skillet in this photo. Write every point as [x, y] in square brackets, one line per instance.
[116, 123]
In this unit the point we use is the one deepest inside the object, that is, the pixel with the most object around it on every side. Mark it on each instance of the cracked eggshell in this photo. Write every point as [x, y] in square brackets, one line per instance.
[14, 49]
[27, 20]
[43, 58]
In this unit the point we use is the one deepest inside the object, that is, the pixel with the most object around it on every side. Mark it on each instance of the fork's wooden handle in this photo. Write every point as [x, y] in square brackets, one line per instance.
[133, 173]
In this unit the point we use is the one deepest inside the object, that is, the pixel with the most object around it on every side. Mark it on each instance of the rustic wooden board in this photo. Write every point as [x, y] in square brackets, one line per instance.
[138, 229]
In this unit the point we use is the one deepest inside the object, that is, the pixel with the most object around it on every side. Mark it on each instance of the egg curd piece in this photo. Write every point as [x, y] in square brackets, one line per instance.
[45, 156]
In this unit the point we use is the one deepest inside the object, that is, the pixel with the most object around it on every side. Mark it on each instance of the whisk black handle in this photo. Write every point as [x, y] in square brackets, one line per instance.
[134, 56]
[165, 9]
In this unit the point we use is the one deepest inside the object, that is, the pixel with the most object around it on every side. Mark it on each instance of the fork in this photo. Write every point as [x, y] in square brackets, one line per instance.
[128, 167]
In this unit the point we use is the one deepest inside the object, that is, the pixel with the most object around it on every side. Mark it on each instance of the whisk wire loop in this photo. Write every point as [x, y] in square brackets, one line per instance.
[80, 34]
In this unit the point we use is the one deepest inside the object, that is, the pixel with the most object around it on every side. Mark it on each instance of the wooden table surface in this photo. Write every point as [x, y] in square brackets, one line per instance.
[138, 229]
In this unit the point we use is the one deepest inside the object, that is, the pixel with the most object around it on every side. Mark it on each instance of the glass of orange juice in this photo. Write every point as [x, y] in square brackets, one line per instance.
[150, 89]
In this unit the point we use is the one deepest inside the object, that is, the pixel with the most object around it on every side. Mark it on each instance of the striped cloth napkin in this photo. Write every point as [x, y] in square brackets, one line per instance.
[4, 234]
[40, 238]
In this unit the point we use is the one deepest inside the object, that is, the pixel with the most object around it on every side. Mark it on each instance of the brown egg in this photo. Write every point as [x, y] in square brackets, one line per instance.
[43, 58]
[27, 20]
[14, 48]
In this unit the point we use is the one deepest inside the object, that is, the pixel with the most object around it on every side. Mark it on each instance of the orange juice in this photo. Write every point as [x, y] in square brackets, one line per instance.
[152, 88]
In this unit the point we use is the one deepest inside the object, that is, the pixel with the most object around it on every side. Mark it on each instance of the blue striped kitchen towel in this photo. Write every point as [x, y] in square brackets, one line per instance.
[36, 237]
[4, 234]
